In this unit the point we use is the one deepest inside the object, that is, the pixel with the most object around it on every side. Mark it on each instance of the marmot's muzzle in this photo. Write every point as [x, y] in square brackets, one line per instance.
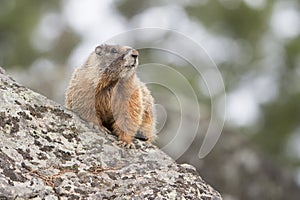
[134, 53]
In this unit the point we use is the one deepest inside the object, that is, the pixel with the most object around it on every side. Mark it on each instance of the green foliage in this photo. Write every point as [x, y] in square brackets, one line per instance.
[241, 22]
[292, 48]
[281, 118]
[18, 21]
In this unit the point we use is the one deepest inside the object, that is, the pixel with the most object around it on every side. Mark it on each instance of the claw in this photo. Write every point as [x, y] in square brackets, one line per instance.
[126, 145]
[104, 130]
[148, 144]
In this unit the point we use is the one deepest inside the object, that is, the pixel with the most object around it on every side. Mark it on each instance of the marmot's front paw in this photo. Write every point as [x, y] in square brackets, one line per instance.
[104, 130]
[126, 145]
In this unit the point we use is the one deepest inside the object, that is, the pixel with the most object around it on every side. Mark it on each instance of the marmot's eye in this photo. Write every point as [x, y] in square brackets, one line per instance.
[114, 50]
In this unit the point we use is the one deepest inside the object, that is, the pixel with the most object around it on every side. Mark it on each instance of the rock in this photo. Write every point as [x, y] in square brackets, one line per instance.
[48, 152]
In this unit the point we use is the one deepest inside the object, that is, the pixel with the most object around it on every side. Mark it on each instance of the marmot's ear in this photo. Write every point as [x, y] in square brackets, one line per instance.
[98, 50]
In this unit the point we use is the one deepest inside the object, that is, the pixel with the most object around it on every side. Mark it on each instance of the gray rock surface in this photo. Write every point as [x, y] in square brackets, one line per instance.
[47, 152]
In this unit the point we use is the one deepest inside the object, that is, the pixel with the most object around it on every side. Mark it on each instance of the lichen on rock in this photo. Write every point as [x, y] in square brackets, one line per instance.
[48, 152]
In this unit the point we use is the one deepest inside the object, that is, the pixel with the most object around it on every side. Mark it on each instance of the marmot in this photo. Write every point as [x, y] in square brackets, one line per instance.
[105, 90]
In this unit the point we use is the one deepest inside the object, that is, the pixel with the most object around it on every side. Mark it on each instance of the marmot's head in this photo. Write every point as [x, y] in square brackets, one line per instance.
[105, 54]
[114, 56]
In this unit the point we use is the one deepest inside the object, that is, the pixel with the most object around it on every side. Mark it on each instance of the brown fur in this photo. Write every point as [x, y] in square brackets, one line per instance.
[106, 91]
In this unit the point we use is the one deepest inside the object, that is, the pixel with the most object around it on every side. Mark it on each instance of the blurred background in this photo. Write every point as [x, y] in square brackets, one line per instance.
[254, 43]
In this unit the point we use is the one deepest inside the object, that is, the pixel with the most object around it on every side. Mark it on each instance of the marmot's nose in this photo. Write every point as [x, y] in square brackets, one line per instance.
[134, 53]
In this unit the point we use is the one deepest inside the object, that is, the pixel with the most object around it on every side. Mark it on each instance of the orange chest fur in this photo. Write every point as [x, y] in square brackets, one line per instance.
[119, 101]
